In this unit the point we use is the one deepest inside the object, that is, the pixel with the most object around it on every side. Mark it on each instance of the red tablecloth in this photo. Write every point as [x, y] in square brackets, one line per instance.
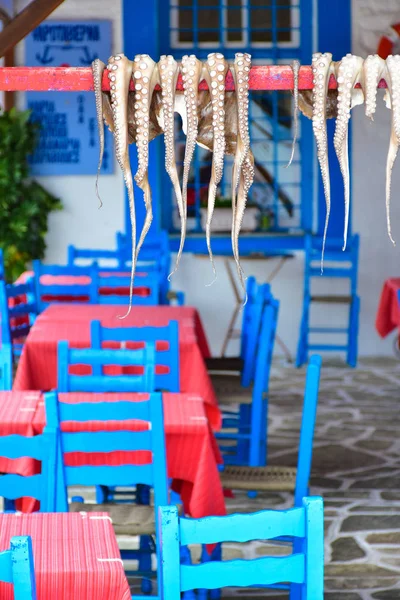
[192, 452]
[37, 368]
[388, 315]
[76, 555]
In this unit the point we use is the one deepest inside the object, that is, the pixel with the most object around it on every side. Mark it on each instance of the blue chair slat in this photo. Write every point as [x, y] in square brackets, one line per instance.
[301, 572]
[114, 440]
[58, 291]
[17, 567]
[121, 475]
[167, 358]
[97, 359]
[251, 331]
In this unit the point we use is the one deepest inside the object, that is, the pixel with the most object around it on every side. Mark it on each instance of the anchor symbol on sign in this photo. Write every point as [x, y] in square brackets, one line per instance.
[45, 59]
[87, 59]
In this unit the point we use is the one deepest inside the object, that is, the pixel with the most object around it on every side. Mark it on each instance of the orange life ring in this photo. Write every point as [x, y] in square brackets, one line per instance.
[390, 41]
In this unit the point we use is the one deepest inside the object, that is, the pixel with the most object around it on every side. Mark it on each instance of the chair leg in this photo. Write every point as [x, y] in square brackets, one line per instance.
[186, 559]
[145, 562]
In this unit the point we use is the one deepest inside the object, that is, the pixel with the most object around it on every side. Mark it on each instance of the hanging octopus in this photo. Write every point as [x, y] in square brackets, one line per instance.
[348, 75]
[120, 72]
[295, 69]
[392, 99]
[215, 73]
[98, 69]
[243, 168]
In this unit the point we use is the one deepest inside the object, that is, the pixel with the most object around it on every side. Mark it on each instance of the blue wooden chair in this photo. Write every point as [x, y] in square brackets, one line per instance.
[133, 519]
[244, 430]
[57, 292]
[17, 317]
[281, 478]
[97, 359]
[17, 567]
[301, 572]
[115, 282]
[337, 265]
[167, 358]
[6, 367]
[40, 486]
[243, 365]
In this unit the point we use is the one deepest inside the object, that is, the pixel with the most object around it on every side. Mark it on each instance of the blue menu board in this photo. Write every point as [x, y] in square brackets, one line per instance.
[68, 143]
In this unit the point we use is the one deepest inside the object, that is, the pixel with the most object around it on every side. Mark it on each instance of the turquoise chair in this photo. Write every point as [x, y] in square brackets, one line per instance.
[40, 486]
[302, 572]
[115, 282]
[134, 519]
[17, 567]
[97, 381]
[6, 367]
[281, 478]
[168, 358]
[84, 292]
[244, 430]
[17, 320]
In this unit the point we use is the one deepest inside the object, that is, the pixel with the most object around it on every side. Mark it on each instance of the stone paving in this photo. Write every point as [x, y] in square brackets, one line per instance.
[356, 468]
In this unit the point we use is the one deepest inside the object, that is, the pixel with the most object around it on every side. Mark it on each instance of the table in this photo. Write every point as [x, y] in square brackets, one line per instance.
[76, 555]
[192, 451]
[37, 368]
[388, 315]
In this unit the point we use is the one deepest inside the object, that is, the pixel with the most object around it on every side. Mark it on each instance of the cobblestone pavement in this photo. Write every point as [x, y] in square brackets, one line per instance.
[356, 468]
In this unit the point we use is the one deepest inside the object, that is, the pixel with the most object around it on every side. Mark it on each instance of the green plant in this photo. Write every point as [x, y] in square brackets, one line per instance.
[24, 203]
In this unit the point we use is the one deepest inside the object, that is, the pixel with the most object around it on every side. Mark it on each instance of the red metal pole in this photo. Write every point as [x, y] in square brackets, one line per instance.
[79, 79]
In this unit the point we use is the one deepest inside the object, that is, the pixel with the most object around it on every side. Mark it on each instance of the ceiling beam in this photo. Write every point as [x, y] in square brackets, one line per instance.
[25, 21]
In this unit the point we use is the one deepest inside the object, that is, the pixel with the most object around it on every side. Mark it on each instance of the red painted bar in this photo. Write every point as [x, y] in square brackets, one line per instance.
[79, 79]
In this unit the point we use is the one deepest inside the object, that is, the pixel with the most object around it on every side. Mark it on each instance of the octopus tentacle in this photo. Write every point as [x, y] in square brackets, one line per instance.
[295, 68]
[145, 74]
[373, 71]
[168, 70]
[215, 73]
[392, 77]
[97, 69]
[192, 71]
[348, 74]
[120, 71]
[321, 66]
[243, 170]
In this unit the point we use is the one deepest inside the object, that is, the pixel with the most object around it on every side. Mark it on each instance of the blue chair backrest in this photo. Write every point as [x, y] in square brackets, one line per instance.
[265, 347]
[113, 260]
[113, 283]
[258, 297]
[82, 292]
[97, 359]
[152, 439]
[167, 358]
[17, 567]
[310, 404]
[40, 486]
[303, 569]
[6, 366]
[16, 320]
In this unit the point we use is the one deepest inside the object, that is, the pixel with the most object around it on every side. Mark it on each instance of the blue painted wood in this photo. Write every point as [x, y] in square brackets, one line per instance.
[13, 333]
[6, 360]
[57, 291]
[100, 358]
[151, 281]
[152, 474]
[169, 358]
[105, 411]
[17, 567]
[302, 569]
[250, 433]
[40, 486]
[345, 267]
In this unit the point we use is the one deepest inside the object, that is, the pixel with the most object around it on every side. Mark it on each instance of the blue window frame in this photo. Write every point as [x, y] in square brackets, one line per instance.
[273, 31]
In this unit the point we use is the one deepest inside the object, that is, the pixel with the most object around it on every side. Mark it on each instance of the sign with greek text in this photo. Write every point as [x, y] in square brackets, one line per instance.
[68, 143]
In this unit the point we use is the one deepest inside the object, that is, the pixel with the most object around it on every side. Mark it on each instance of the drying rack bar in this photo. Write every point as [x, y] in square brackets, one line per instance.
[79, 79]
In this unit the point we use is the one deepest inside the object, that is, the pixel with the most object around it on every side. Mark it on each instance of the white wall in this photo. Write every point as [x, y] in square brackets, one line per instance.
[82, 224]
